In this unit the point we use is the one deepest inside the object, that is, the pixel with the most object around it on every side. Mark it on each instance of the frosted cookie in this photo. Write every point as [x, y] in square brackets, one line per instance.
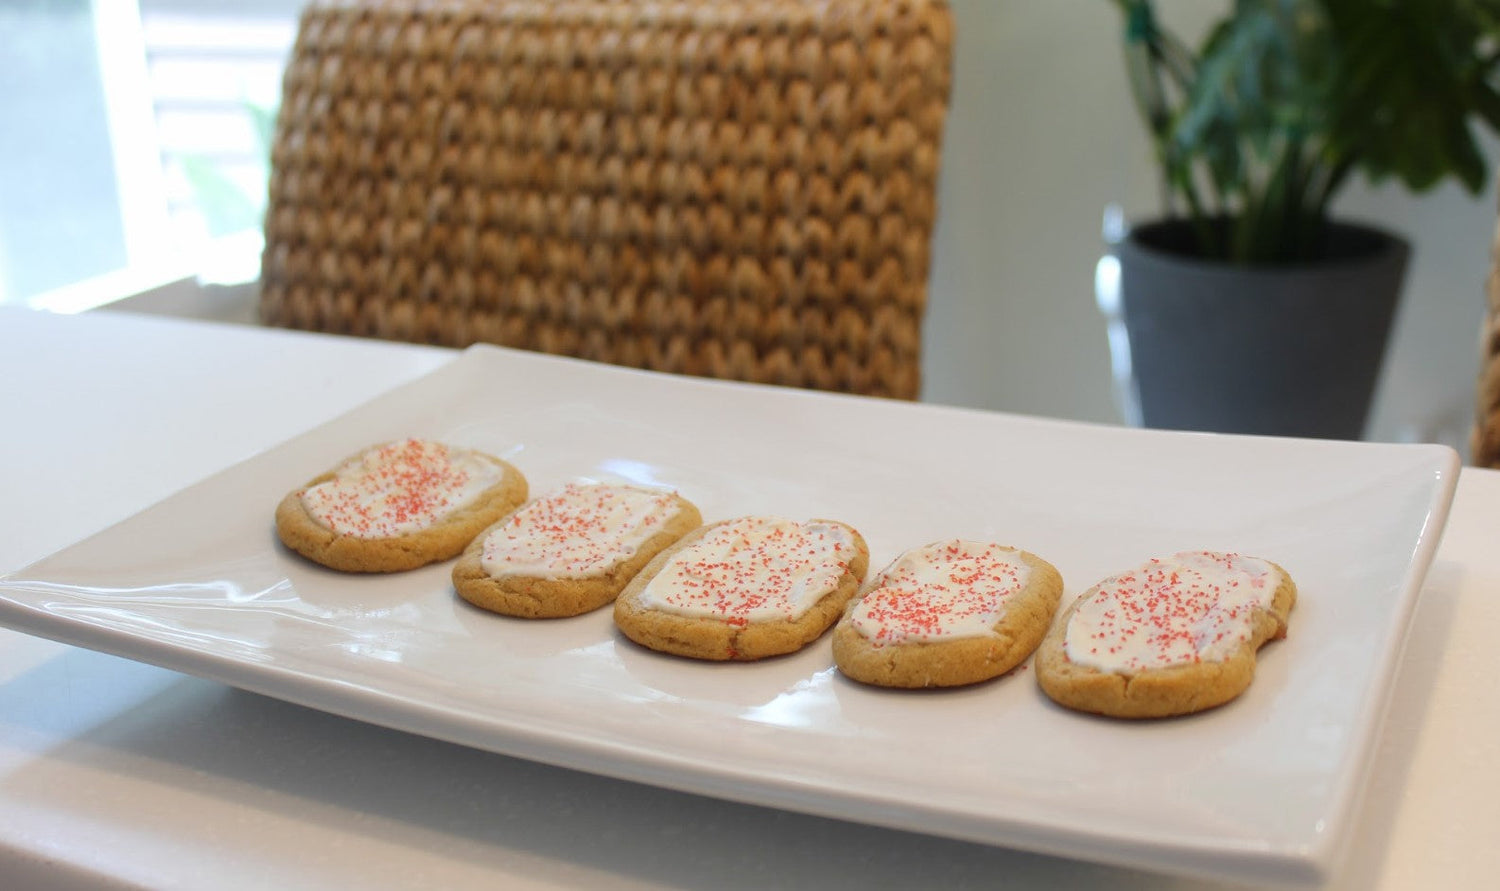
[745, 589]
[572, 551]
[1175, 636]
[397, 506]
[951, 613]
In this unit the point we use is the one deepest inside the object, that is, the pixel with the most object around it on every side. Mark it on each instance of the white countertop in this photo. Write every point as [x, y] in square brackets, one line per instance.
[118, 773]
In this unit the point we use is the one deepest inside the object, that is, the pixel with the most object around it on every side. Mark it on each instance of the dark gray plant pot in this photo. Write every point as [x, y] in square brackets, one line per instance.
[1286, 350]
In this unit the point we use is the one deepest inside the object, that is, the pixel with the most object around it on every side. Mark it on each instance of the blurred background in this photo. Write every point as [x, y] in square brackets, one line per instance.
[133, 140]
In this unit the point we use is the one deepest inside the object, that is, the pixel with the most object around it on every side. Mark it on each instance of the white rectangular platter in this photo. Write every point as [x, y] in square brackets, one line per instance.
[1262, 789]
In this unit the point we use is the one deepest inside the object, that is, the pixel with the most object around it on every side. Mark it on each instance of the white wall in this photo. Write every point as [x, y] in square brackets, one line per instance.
[1041, 136]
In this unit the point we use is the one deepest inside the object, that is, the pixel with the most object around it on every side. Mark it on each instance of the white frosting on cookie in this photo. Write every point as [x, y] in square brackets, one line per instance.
[949, 589]
[754, 569]
[1191, 607]
[399, 488]
[578, 532]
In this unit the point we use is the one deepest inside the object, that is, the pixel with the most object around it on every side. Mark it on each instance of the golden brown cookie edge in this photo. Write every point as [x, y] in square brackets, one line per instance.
[303, 534]
[534, 597]
[716, 640]
[1159, 693]
[961, 661]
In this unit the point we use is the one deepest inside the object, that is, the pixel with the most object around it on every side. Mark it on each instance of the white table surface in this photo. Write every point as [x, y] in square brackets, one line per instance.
[114, 773]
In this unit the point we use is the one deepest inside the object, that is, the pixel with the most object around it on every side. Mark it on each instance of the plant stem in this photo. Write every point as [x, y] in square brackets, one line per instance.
[1338, 171]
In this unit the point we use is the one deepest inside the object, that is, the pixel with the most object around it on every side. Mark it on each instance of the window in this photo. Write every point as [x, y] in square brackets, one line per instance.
[137, 141]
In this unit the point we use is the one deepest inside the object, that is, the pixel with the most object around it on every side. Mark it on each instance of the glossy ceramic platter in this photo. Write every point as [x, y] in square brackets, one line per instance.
[1260, 789]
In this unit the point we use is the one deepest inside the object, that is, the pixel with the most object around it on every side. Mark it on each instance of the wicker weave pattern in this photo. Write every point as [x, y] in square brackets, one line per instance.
[733, 188]
[1484, 446]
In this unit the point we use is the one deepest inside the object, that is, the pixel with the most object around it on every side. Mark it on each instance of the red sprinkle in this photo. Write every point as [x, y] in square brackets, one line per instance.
[390, 490]
[937, 591]
[753, 569]
[1168, 612]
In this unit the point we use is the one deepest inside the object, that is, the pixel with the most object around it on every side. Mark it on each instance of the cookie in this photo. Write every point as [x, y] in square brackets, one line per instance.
[1175, 636]
[951, 613]
[398, 506]
[745, 589]
[572, 551]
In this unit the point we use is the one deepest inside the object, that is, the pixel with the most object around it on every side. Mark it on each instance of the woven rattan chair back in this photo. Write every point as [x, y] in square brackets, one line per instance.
[1484, 445]
[730, 188]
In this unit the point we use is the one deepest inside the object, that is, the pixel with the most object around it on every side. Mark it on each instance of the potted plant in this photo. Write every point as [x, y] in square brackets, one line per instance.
[1248, 307]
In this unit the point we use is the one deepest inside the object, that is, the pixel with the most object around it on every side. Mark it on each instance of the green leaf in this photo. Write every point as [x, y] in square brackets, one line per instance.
[225, 207]
[263, 119]
[1285, 98]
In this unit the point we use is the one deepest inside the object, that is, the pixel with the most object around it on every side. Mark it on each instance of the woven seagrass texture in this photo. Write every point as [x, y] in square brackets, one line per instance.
[731, 189]
[1484, 445]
